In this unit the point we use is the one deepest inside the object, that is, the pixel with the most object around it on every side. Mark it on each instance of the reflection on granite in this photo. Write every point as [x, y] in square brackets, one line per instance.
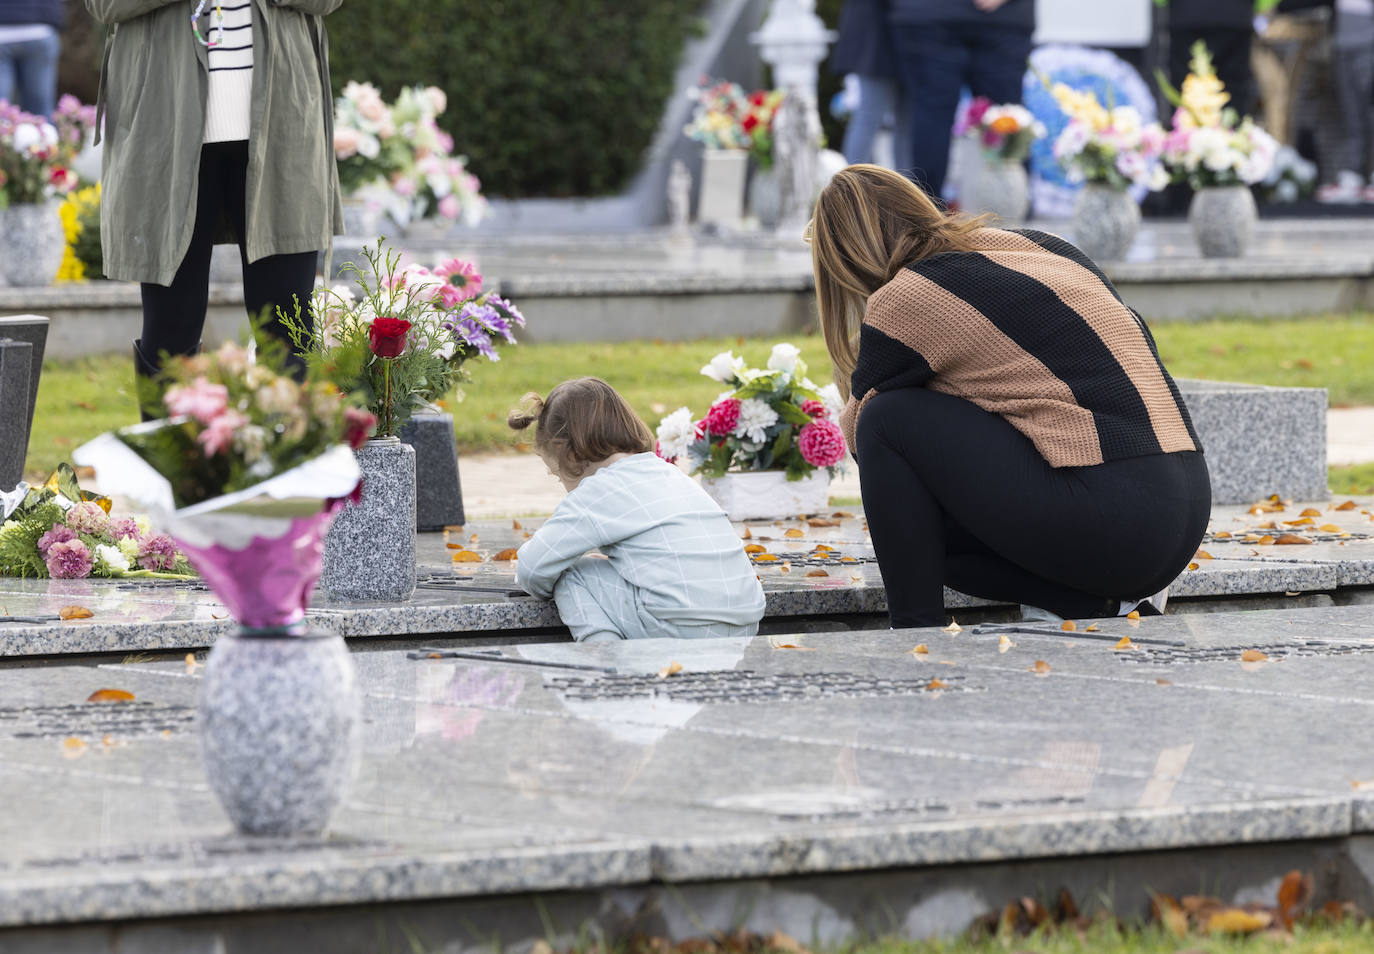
[849, 753]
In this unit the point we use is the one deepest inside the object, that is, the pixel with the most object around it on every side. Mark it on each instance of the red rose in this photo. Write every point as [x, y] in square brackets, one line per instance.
[387, 337]
[750, 123]
[757, 97]
[358, 426]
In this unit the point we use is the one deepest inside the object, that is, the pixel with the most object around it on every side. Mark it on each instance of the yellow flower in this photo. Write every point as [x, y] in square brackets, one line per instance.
[1203, 95]
[1082, 105]
[72, 209]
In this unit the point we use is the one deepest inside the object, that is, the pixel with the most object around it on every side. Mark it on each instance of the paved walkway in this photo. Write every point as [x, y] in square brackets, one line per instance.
[497, 485]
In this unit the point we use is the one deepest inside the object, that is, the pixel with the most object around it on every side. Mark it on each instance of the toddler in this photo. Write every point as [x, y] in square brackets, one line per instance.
[672, 565]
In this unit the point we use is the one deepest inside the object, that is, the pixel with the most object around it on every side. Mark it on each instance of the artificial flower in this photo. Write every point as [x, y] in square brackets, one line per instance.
[387, 336]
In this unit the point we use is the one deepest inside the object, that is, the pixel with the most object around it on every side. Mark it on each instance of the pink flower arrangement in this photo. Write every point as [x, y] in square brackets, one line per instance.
[157, 552]
[60, 533]
[70, 560]
[199, 399]
[88, 517]
[821, 443]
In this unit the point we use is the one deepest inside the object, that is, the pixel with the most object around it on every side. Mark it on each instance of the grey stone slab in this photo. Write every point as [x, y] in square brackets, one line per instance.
[16, 409]
[1260, 440]
[32, 329]
[439, 492]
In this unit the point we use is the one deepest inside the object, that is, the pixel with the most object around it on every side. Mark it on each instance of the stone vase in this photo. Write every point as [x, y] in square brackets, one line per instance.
[278, 723]
[768, 494]
[720, 202]
[369, 553]
[362, 217]
[1105, 222]
[765, 197]
[1002, 188]
[31, 243]
[1223, 220]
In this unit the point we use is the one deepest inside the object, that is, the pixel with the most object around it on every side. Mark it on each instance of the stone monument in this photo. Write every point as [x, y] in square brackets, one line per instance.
[16, 411]
[679, 198]
[438, 492]
[796, 152]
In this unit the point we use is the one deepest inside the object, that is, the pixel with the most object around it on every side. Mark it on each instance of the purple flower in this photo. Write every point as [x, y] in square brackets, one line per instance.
[124, 527]
[60, 533]
[470, 333]
[70, 560]
[506, 309]
[88, 517]
[157, 552]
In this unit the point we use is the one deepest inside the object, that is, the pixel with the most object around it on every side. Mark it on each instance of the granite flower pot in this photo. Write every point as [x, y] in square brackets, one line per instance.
[278, 722]
[720, 202]
[765, 197]
[768, 494]
[31, 243]
[362, 217]
[1223, 220]
[369, 553]
[1105, 222]
[1001, 187]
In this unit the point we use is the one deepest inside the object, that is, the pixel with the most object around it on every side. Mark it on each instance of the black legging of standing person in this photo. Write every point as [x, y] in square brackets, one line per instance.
[956, 495]
[174, 315]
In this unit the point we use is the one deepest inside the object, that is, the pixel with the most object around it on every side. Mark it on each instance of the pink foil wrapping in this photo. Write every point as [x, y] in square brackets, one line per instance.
[268, 584]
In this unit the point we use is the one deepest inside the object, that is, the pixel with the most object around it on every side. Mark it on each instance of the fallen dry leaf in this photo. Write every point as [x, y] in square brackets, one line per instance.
[746, 535]
[110, 695]
[842, 515]
[1291, 538]
[74, 612]
[1163, 682]
[817, 573]
[1236, 921]
[1041, 668]
[1295, 892]
[793, 533]
[1168, 913]
[467, 556]
[670, 669]
[1004, 644]
[1203, 555]
[922, 650]
[766, 558]
[73, 747]
[1253, 655]
[1192, 566]
[1330, 528]
[822, 522]
[1090, 629]
[822, 548]
[805, 649]
[191, 664]
[953, 627]
[1223, 535]
[503, 556]
[435, 656]
[1310, 512]
[755, 548]
[1348, 505]
[848, 559]
[937, 684]
[1133, 616]
[1124, 643]
[473, 539]
[1301, 522]
[515, 525]
[786, 568]
[1264, 541]
[1068, 626]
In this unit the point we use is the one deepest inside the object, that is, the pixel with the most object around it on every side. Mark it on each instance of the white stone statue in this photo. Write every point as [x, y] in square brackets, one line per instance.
[679, 197]
[796, 148]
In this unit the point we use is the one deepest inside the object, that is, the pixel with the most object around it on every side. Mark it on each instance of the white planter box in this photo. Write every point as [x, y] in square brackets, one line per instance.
[721, 199]
[768, 494]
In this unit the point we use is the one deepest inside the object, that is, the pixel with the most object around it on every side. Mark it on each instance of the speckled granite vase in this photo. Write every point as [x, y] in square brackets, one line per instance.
[1105, 222]
[1223, 220]
[1002, 188]
[369, 553]
[31, 243]
[278, 729]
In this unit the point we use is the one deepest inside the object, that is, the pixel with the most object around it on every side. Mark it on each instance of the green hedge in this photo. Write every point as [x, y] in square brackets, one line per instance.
[545, 97]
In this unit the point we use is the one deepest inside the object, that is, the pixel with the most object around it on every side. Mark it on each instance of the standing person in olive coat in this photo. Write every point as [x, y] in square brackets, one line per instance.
[222, 131]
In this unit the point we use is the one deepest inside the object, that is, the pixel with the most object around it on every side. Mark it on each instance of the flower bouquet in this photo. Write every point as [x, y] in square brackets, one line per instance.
[35, 172]
[1111, 147]
[1290, 178]
[774, 420]
[726, 117]
[62, 532]
[1004, 133]
[246, 473]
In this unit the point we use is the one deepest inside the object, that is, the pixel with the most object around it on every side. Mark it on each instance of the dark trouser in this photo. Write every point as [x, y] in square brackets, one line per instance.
[935, 61]
[1230, 51]
[956, 495]
[174, 315]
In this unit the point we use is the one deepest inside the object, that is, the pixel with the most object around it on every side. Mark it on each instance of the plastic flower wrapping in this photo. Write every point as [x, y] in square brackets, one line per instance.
[1210, 144]
[1108, 146]
[452, 320]
[726, 117]
[62, 532]
[1004, 132]
[245, 474]
[396, 156]
[773, 418]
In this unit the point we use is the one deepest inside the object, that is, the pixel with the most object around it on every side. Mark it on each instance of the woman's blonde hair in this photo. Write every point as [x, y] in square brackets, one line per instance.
[581, 422]
[869, 223]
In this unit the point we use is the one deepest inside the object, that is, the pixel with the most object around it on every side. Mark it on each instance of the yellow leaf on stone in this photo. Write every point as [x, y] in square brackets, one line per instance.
[1290, 539]
[74, 612]
[1310, 512]
[110, 695]
[1124, 643]
[937, 684]
[672, 668]
[473, 539]
[515, 525]
[1330, 528]
[755, 548]
[1203, 555]
[953, 627]
[1090, 629]
[1222, 534]
[1041, 668]
[793, 533]
[1348, 505]
[921, 650]
[817, 573]
[73, 747]
[1133, 616]
[1004, 643]
[1192, 566]
[766, 558]
[1068, 626]
[467, 556]
[1253, 655]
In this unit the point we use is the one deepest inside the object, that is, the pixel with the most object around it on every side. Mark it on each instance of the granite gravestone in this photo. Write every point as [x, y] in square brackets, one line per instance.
[438, 493]
[16, 409]
[32, 329]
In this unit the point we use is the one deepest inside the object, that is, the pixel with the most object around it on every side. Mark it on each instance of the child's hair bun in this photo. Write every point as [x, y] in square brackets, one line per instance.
[531, 406]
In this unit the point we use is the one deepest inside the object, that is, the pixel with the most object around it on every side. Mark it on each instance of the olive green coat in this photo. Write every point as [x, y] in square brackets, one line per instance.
[154, 82]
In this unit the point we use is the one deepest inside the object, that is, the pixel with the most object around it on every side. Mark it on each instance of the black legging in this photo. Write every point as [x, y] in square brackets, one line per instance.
[174, 315]
[956, 495]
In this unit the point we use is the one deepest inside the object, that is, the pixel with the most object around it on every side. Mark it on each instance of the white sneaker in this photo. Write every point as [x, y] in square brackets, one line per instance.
[1034, 614]
[1348, 189]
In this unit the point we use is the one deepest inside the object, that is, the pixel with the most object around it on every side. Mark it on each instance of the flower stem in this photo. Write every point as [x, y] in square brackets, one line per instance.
[386, 376]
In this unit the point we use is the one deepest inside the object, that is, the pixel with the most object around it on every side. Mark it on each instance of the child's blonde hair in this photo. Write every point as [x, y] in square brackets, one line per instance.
[581, 422]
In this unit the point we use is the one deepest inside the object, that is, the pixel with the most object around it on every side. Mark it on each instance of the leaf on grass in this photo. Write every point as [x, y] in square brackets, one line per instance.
[1291, 538]
[1203, 555]
[1041, 668]
[1124, 643]
[1236, 921]
[1348, 505]
[1295, 892]
[110, 695]
[1004, 643]
[755, 548]
[1068, 626]
[505, 556]
[74, 612]
[953, 627]
[467, 556]
[672, 668]
[1169, 914]
[921, 650]
[937, 684]
[793, 533]
[1253, 655]
[515, 525]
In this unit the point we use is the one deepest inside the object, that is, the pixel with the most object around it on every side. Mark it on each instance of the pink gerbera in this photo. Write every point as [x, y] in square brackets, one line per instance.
[463, 276]
[821, 443]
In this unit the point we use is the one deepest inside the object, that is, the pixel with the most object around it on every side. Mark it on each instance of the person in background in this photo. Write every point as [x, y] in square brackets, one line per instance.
[1352, 61]
[29, 47]
[863, 55]
[1227, 27]
[943, 46]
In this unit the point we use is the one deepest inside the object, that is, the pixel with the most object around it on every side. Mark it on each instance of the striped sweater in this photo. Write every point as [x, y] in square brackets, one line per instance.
[229, 98]
[1029, 328]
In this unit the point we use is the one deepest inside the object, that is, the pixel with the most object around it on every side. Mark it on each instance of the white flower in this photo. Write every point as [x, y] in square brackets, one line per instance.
[145, 526]
[367, 146]
[785, 358]
[724, 367]
[25, 137]
[830, 397]
[129, 547]
[111, 558]
[755, 417]
[676, 433]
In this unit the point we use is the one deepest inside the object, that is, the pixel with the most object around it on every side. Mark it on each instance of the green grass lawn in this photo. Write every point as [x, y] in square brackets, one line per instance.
[79, 399]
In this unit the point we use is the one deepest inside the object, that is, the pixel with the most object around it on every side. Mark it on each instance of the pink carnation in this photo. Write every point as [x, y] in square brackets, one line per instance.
[723, 417]
[218, 435]
[124, 527]
[813, 408]
[821, 443]
[158, 552]
[199, 399]
[87, 517]
[70, 560]
[60, 533]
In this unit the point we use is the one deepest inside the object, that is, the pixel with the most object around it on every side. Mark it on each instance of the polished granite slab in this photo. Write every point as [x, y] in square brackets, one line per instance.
[816, 569]
[553, 767]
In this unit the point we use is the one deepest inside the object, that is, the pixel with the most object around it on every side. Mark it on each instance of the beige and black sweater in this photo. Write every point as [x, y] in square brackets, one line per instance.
[1029, 328]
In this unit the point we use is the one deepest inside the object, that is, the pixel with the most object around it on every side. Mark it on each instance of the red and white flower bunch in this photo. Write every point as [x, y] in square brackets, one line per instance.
[726, 117]
[35, 161]
[774, 418]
